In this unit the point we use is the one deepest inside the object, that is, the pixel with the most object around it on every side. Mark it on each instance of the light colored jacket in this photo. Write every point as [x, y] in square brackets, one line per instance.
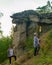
[10, 52]
[36, 41]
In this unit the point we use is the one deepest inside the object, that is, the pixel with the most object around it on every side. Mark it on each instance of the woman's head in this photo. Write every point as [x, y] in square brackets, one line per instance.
[35, 34]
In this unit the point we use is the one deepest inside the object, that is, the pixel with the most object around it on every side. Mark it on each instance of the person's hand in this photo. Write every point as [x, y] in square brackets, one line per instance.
[39, 41]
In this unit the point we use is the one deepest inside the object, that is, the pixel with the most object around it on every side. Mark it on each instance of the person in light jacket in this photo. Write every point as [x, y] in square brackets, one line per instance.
[11, 53]
[36, 44]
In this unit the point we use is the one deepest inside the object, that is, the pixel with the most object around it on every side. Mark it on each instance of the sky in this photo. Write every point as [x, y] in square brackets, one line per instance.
[9, 7]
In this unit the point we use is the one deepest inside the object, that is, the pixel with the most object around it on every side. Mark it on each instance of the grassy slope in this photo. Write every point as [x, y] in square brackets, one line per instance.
[45, 54]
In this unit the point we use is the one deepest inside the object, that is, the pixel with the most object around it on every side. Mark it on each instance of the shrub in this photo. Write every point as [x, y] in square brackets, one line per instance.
[4, 44]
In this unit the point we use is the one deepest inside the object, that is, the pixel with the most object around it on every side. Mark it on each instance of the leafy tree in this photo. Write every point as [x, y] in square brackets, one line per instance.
[1, 14]
[4, 44]
[45, 9]
[1, 32]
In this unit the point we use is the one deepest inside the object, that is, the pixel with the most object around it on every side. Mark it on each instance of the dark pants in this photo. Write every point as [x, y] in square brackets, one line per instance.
[11, 57]
[36, 50]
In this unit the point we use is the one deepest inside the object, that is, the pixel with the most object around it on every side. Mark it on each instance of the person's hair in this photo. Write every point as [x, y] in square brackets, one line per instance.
[35, 34]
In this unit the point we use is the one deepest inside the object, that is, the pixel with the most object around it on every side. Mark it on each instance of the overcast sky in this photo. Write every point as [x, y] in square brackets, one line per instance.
[8, 7]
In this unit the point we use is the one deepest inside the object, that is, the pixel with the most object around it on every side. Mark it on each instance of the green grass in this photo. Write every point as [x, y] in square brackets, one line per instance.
[40, 60]
[29, 43]
[4, 43]
[45, 56]
[45, 53]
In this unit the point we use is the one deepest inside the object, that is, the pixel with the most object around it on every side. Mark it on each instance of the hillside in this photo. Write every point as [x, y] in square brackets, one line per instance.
[45, 54]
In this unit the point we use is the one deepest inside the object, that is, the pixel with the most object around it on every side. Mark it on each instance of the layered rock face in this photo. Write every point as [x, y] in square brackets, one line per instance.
[22, 32]
[27, 23]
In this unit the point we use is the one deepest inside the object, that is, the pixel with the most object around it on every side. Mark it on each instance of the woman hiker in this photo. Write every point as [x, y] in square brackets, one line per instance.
[11, 53]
